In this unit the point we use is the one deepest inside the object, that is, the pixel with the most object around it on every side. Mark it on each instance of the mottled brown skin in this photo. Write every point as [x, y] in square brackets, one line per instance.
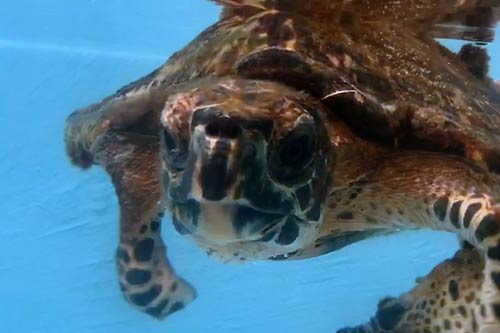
[467, 16]
[146, 277]
[446, 300]
[400, 133]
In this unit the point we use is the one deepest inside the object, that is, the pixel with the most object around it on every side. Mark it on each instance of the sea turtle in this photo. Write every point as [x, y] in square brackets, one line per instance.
[292, 128]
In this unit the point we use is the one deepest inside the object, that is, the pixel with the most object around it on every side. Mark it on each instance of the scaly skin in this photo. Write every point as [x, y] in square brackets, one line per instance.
[446, 300]
[146, 277]
[408, 189]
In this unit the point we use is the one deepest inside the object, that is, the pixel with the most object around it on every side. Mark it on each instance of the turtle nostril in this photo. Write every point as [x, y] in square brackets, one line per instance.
[223, 127]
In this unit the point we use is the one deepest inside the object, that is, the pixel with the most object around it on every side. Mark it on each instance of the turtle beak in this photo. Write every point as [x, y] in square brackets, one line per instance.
[219, 144]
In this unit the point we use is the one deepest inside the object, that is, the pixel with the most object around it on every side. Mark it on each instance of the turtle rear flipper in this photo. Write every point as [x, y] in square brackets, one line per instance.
[446, 300]
[147, 279]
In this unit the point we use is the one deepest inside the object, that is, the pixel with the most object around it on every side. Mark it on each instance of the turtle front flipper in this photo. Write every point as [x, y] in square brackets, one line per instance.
[446, 300]
[410, 189]
[134, 108]
[147, 279]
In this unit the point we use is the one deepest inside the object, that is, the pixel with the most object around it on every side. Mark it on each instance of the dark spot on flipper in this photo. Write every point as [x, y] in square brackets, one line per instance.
[494, 252]
[174, 287]
[304, 196]
[138, 276]
[453, 290]
[123, 255]
[440, 207]
[447, 324]
[155, 225]
[143, 299]
[470, 212]
[122, 287]
[462, 311]
[144, 249]
[454, 214]
[345, 215]
[496, 310]
[157, 310]
[314, 213]
[486, 228]
[289, 232]
[388, 316]
[176, 307]
[495, 276]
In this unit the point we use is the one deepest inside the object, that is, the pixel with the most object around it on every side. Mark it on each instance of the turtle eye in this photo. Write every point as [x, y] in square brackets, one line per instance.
[296, 150]
[293, 156]
[172, 152]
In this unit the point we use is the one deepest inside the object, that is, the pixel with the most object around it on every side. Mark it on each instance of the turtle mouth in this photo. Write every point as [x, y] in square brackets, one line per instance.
[226, 222]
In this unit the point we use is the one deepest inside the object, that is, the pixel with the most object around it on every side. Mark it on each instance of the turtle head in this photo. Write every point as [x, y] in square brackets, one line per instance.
[245, 162]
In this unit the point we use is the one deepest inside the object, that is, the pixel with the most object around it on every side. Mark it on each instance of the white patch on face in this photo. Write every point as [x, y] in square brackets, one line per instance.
[215, 223]
[196, 190]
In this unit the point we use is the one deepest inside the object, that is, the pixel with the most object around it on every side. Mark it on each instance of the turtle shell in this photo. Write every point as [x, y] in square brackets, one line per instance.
[376, 64]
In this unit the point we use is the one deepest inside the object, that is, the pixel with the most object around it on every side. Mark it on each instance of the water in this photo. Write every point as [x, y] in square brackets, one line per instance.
[58, 228]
